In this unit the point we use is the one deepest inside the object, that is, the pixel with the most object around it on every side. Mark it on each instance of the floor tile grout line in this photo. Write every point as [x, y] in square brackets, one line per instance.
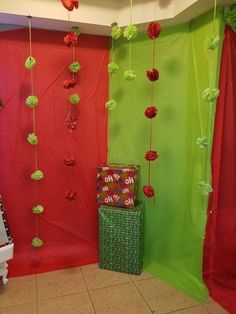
[88, 291]
[111, 286]
[152, 311]
[185, 308]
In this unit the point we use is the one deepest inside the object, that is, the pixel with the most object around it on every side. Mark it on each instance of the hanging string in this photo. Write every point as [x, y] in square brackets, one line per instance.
[130, 54]
[155, 11]
[214, 17]
[131, 11]
[209, 120]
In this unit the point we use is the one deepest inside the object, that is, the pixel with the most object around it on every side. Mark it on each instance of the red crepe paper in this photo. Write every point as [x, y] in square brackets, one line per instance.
[151, 112]
[69, 83]
[152, 75]
[71, 39]
[71, 123]
[70, 195]
[151, 155]
[70, 161]
[70, 4]
[148, 190]
[153, 30]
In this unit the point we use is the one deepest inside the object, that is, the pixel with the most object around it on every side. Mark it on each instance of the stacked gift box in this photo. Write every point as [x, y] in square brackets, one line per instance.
[120, 219]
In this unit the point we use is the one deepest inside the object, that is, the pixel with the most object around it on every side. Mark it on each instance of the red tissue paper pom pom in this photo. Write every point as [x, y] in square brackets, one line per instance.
[69, 83]
[153, 75]
[76, 3]
[151, 155]
[148, 190]
[151, 112]
[70, 4]
[69, 161]
[71, 39]
[71, 123]
[70, 195]
[153, 30]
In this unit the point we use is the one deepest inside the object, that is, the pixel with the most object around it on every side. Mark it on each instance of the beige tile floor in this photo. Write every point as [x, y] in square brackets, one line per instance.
[88, 289]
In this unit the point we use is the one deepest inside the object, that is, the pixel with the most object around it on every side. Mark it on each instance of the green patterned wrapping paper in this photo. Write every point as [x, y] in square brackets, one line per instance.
[121, 239]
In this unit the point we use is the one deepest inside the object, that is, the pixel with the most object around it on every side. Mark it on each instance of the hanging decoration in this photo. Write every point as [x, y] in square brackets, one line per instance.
[112, 66]
[71, 121]
[130, 32]
[151, 155]
[209, 95]
[70, 5]
[32, 138]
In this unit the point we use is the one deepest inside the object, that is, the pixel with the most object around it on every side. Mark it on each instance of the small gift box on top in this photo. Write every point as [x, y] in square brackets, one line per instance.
[117, 185]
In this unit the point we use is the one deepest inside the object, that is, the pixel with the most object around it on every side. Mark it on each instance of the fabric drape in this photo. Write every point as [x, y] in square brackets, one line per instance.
[175, 223]
[220, 243]
[68, 228]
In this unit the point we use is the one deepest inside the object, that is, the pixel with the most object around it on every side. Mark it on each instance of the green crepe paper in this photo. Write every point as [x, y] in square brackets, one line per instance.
[230, 16]
[31, 101]
[38, 209]
[74, 99]
[37, 175]
[130, 32]
[205, 188]
[210, 94]
[129, 75]
[30, 63]
[115, 31]
[32, 139]
[110, 104]
[75, 67]
[213, 42]
[113, 67]
[202, 142]
[37, 242]
[75, 29]
[175, 223]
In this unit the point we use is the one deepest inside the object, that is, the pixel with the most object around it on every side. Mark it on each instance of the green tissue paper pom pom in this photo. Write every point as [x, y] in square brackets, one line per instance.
[75, 29]
[115, 31]
[36, 242]
[230, 16]
[32, 139]
[202, 142]
[30, 63]
[32, 101]
[213, 42]
[210, 94]
[130, 32]
[205, 188]
[74, 99]
[37, 175]
[129, 75]
[111, 104]
[113, 68]
[75, 67]
[38, 209]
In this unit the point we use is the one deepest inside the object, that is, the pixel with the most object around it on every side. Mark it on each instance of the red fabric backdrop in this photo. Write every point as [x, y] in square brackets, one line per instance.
[220, 243]
[68, 228]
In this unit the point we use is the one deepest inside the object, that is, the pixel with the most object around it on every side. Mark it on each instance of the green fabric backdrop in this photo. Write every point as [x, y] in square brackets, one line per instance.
[175, 224]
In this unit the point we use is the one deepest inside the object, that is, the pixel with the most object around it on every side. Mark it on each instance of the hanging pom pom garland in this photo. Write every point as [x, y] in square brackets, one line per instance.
[130, 32]
[209, 95]
[71, 121]
[153, 31]
[32, 102]
[112, 67]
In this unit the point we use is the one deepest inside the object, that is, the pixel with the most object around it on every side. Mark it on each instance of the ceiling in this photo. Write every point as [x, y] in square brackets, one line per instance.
[96, 16]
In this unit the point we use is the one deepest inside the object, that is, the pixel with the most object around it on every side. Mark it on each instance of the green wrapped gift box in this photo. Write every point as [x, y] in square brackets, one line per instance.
[121, 239]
